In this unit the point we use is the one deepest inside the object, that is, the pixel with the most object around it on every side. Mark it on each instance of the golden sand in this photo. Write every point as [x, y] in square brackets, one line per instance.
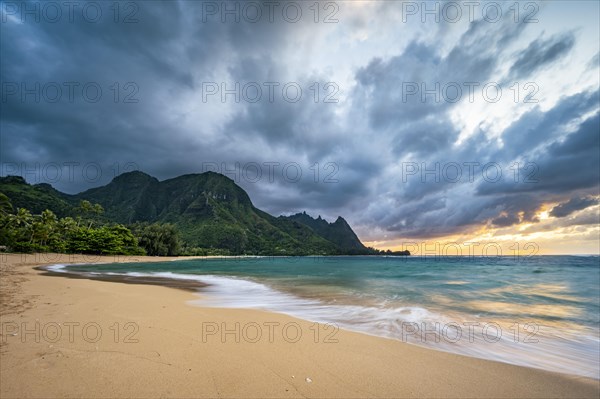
[81, 338]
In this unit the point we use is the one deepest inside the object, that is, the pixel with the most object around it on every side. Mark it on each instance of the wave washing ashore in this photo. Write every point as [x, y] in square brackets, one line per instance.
[541, 311]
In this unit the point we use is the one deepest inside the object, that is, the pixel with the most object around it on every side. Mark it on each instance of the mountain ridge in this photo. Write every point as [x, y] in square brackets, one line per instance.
[209, 209]
[338, 232]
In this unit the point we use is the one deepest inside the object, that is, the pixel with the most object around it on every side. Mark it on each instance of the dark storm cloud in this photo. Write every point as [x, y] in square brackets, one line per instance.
[540, 53]
[506, 220]
[359, 144]
[516, 209]
[538, 127]
[578, 221]
[564, 164]
[554, 164]
[429, 136]
[550, 169]
[423, 134]
[166, 55]
[573, 205]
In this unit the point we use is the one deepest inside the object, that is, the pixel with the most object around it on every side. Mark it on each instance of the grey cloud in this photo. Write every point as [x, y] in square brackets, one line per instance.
[565, 162]
[506, 220]
[384, 85]
[169, 53]
[426, 137]
[571, 206]
[560, 163]
[561, 166]
[423, 131]
[536, 127]
[565, 166]
[594, 63]
[540, 53]
[580, 221]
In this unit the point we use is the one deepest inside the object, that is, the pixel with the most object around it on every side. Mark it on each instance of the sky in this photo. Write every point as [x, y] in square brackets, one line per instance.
[439, 127]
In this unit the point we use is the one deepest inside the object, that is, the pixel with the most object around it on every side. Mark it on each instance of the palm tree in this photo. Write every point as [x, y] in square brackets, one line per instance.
[48, 222]
[67, 225]
[6, 207]
[22, 219]
[6, 210]
[97, 210]
[36, 228]
[86, 209]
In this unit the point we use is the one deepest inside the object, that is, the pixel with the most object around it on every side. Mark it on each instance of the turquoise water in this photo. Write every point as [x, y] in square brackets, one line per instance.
[541, 311]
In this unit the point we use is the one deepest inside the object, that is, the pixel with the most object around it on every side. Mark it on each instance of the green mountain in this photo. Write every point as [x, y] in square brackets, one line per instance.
[36, 198]
[209, 209]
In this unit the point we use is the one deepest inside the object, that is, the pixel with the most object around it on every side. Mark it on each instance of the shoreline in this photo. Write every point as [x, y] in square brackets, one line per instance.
[357, 365]
[314, 313]
[186, 285]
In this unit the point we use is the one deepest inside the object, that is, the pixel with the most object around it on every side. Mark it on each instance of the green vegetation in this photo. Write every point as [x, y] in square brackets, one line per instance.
[158, 239]
[338, 232]
[195, 214]
[105, 240]
[37, 198]
[86, 210]
[23, 231]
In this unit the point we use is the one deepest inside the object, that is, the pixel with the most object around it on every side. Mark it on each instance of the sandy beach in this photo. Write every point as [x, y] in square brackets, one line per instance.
[66, 337]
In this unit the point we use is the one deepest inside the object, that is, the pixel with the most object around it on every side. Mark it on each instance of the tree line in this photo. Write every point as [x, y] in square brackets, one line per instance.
[86, 232]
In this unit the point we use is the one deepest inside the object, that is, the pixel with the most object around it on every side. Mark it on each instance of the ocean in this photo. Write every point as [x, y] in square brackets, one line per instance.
[538, 311]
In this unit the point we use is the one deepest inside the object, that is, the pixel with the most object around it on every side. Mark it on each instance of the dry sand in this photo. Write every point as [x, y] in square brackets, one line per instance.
[160, 349]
